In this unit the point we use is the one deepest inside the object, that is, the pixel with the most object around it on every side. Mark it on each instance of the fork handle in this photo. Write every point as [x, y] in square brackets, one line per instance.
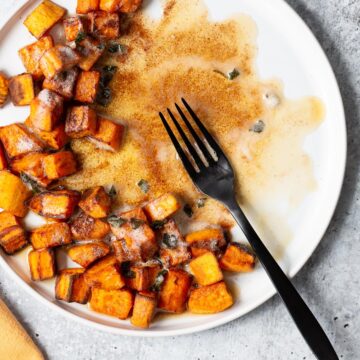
[301, 314]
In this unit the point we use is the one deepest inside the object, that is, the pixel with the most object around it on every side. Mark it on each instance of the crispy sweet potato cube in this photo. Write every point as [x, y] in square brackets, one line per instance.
[237, 258]
[116, 303]
[110, 5]
[21, 88]
[55, 139]
[104, 25]
[90, 51]
[153, 273]
[85, 6]
[13, 194]
[43, 18]
[138, 278]
[174, 292]
[96, 202]
[31, 54]
[46, 110]
[50, 235]
[12, 236]
[70, 286]
[42, 264]
[58, 59]
[144, 309]
[4, 89]
[18, 140]
[74, 26]
[3, 161]
[84, 227]
[206, 269]
[140, 242]
[56, 204]
[105, 274]
[63, 83]
[81, 121]
[162, 207]
[206, 240]
[87, 254]
[196, 252]
[128, 6]
[108, 135]
[59, 164]
[87, 86]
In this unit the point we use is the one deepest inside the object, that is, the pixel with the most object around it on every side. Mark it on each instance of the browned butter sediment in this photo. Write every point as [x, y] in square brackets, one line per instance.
[176, 57]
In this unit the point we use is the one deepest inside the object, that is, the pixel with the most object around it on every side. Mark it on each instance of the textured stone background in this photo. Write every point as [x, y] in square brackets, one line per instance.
[329, 282]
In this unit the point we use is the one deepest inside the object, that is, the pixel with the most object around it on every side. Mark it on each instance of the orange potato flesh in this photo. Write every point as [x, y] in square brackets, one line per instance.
[104, 25]
[128, 6]
[50, 235]
[108, 135]
[87, 254]
[87, 86]
[21, 88]
[162, 207]
[237, 258]
[63, 83]
[84, 227]
[110, 5]
[59, 165]
[90, 51]
[144, 310]
[81, 121]
[73, 26]
[140, 280]
[116, 303]
[42, 264]
[4, 89]
[96, 202]
[13, 194]
[205, 269]
[208, 239]
[85, 6]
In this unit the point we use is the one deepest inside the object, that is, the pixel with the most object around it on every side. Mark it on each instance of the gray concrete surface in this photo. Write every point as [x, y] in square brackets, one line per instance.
[329, 282]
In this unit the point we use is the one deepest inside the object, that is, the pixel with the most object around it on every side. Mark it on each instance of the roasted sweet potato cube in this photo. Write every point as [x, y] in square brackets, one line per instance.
[58, 59]
[63, 83]
[12, 236]
[81, 121]
[206, 269]
[87, 86]
[3, 161]
[18, 140]
[110, 5]
[31, 54]
[210, 299]
[206, 240]
[46, 110]
[108, 135]
[105, 274]
[32, 165]
[50, 235]
[196, 252]
[237, 258]
[104, 25]
[21, 88]
[55, 139]
[162, 207]
[174, 292]
[70, 286]
[59, 164]
[74, 28]
[144, 309]
[137, 277]
[87, 254]
[96, 202]
[128, 6]
[140, 241]
[4, 89]
[85, 6]
[116, 303]
[84, 227]
[90, 51]
[42, 264]
[43, 18]
[56, 204]
[13, 194]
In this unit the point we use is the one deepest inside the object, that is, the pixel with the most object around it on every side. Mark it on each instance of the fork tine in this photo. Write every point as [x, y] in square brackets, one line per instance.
[187, 164]
[203, 129]
[203, 148]
[191, 149]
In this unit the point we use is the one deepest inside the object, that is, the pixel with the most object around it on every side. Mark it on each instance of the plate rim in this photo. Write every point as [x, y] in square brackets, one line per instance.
[22, 5]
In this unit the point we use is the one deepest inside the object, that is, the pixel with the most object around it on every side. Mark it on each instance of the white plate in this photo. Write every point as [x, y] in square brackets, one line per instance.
[305, 70]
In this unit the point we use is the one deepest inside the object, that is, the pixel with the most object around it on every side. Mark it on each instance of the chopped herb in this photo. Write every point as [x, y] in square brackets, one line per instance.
[126, 271]
[116, 221]
[201, 202]
[115, 47]
[220, 73]
[258, 127]
[170, 240]
[159, 280]
[101, 46]
[188, 210]
[80, 37]
[35, 187]
[112, 192]
[233, 74]
[144, 186]
[103, 96]
[136, 223]
[158, 224]
[110, 68]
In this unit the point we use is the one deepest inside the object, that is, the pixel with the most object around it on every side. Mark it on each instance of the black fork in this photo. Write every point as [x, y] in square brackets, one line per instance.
[213, 175]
